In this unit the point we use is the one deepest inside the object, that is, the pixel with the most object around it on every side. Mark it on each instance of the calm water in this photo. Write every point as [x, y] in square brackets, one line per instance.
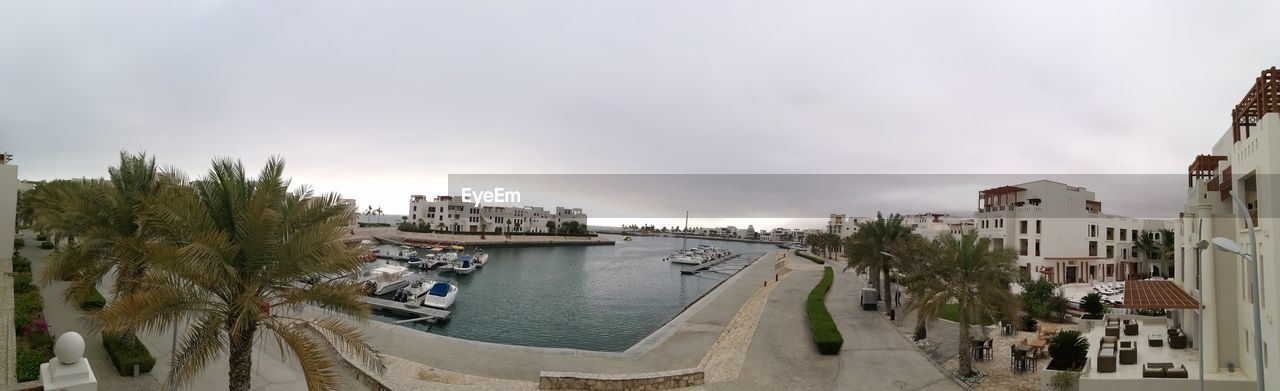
[603, 298]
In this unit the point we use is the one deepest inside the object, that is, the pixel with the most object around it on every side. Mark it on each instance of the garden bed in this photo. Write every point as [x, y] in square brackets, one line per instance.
[817, 260]
[34, 344]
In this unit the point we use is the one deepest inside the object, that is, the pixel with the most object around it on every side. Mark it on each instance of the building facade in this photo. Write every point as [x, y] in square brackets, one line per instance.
[1061, 233]
[451, 213]
[1241, 162]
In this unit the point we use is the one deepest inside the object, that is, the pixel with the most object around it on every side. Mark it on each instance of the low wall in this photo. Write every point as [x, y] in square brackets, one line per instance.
[633, 381]
[1165, 384]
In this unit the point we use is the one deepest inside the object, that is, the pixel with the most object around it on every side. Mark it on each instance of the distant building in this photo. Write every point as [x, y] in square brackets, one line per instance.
[1061, 233]
[452, 214]
[8, 207]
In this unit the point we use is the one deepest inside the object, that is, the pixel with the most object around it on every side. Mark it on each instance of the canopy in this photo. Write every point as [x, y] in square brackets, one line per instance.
[1157, 294]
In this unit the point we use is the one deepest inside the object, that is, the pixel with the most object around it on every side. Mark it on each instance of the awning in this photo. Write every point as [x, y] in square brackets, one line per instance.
[1157, 294]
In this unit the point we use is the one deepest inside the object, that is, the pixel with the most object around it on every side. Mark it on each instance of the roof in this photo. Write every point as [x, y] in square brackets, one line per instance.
[1001, 190]
[1162, 294]
[1075, 258]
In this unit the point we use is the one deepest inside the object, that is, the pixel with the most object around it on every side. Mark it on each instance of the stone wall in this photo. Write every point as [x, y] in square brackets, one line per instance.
[635, 381]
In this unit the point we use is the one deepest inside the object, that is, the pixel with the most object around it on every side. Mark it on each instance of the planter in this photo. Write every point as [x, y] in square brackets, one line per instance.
[1046, 377]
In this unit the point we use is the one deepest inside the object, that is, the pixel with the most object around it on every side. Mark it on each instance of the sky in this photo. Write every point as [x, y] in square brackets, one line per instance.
[379, 99]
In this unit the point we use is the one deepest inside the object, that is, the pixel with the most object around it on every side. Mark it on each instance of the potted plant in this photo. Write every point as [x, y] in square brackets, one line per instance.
[1069, 353]
[1092, 306]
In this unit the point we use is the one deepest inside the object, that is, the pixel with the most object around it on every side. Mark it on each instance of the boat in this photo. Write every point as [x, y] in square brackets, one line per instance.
[480, 258]
[626, 238]
[440, 295]
[385, 279]
[465, 265]
[698, 255]
[426, 262]
[449, 256]
[414, 291]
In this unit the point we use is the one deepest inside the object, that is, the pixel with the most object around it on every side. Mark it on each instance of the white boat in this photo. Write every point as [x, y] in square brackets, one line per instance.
[686, 260]
[385, 279]
[425, 261]
[414, 291]
[464, 265]
[449, 256]
[480, 258]
[440, 295]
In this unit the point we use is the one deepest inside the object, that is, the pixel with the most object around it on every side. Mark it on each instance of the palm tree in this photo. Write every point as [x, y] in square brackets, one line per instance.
[1167, 247]
[915, 260]
[227, 253]
[1145, 246]
[814, 241]
[968, 272]
[864, 248]
[103, 216]
[831, 242]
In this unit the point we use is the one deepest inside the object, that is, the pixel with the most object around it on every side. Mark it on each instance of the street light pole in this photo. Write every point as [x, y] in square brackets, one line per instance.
[1200, 247]
[1251, 258]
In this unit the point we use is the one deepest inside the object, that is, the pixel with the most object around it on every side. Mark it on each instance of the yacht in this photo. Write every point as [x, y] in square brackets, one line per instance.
[440, 295]
[385, 279]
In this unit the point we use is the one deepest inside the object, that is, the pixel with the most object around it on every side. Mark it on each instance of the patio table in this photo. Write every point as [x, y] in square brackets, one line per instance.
[1155, 340]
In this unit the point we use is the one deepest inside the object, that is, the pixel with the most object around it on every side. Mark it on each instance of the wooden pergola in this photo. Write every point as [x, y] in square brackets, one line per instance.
[1157, 294]
[1203, 167]
[1262, 98]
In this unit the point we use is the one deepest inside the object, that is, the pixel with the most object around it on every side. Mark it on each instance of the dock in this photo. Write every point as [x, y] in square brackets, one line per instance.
[708, 265]
[421, 313]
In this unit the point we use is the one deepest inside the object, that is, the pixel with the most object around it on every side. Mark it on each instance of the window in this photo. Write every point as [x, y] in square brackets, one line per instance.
[1124, 234]
[1111, 233]
[1022, 247]
[1111, 252]
[1037, 247]
[1093, 248]
[1037, 226]
[1124, 253]
[1022, 226]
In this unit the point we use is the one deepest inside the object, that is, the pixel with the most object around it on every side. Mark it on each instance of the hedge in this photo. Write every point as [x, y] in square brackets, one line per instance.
[42, 237]
[811, 258]
[21, 265]
[95, 301]
[27, 306]
[29, 361]
[19, 242]
[46, 245]
[825, 333]
[124, 358]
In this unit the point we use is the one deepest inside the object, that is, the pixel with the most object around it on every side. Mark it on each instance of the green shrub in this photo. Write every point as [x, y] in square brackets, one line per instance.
[124, 358]
[19, 243]
[27, 306]
[825, 333]
[47, 245]
[810, 257]
[1029, 323]
[95, 301]
[29, 361]
[22, 283]
[42, 237]
[1037, 295]
[21, 264]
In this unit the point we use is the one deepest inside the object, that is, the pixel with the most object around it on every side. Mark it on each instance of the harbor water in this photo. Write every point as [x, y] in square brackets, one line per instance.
[601, 298]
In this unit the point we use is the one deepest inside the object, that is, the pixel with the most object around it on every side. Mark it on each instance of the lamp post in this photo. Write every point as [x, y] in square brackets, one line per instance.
[1250, 258]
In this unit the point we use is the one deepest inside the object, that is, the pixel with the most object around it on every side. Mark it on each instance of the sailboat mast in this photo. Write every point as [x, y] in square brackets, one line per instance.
[684, 242]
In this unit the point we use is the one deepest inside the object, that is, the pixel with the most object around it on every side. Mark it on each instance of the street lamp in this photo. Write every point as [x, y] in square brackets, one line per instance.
[1230, 246]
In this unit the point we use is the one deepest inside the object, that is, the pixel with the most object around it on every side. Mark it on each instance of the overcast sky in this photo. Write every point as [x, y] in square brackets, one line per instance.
[382, 99]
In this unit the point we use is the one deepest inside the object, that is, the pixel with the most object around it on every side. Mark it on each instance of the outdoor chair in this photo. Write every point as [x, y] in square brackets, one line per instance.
[1152, 371]
[1130, 327]
[1178, 373]
[1128, 353]
[1178, 341]
[1107, 355]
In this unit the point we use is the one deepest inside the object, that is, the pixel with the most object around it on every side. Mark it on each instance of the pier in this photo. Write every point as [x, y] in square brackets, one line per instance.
[421, 313]
[708, 265]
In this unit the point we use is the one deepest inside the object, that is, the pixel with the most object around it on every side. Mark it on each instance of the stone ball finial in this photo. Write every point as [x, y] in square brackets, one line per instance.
[70, 348]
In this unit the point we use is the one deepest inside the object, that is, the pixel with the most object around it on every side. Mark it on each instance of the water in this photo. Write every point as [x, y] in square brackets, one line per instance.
[603, 298]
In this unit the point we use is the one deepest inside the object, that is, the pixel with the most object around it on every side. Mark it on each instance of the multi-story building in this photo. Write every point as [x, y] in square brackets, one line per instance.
[8, 209]
[1061, 233]
[1242, 163]
[451, 213]
[928, 224]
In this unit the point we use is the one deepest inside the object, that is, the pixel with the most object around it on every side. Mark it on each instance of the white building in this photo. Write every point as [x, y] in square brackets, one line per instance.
[928, 224]
[1061, 233]
[8, 209]
[451, 213]
[1241, 162]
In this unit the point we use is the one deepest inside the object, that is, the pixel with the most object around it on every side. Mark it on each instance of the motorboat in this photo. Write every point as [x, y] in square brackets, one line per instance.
[414, 291]
[440, 295]
[465, 265]
[480, 258]
[385, 279]
[698, 255]
[426, 261]
[449, 256]
[626, 238]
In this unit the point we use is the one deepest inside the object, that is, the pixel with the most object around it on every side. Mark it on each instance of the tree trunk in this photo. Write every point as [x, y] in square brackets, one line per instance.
[966, 344]
[922, 331]
[888, 285]
[240, 358]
